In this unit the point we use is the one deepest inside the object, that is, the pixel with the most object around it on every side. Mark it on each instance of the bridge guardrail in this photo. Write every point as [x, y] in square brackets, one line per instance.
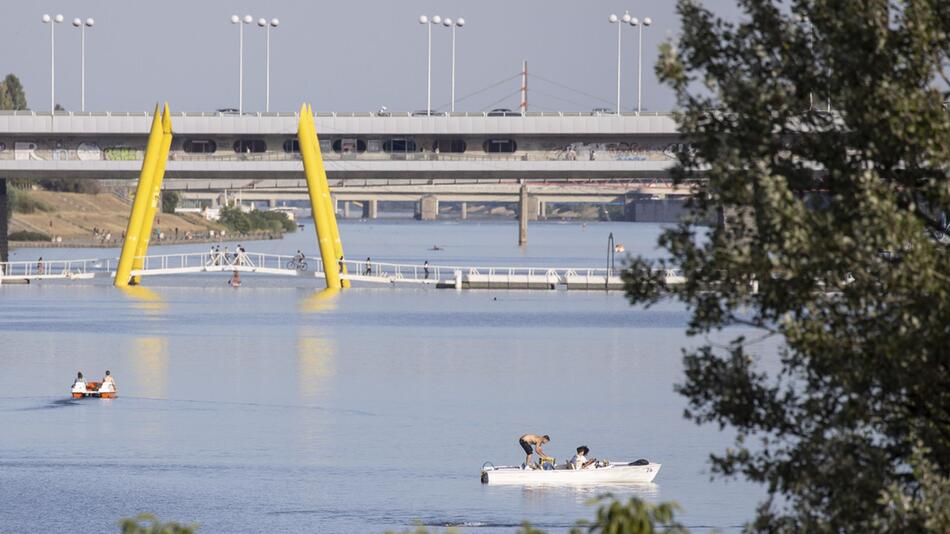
[334, 114]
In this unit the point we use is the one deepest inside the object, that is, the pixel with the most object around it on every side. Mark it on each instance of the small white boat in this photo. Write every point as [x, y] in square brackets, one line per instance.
[614, 473]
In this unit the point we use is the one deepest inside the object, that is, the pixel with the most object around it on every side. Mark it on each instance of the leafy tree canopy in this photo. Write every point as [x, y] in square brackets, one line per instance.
[820, 134]
[12, 95]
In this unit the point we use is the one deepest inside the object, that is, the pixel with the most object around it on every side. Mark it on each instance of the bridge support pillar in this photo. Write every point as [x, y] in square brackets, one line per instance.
[346, 209]
[4, 247]
[370, 209]
[429, 208]
[542, 209]
[523, 216]
[272, 203]
[464, 210]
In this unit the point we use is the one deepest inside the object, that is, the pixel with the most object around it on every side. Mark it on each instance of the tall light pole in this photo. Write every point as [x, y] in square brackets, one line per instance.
[640, 24]
[52, 21]
[429, 22]
[262, 22]
[238, 20]
[78, 23]
[459, 22]
[614, 19]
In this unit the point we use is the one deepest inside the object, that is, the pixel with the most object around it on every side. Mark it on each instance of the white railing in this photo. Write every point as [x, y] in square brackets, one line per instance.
[368, 271]
[54, 268]
[224, 261]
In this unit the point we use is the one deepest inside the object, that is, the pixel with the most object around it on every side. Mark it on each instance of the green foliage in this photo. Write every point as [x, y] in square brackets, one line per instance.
[28, 235]
[12, 95]
[170, 201]
[634, 517]
[23, 202]
[613, 517]
[71, 185]
[851, 264]
[270, 221]
[149, 524]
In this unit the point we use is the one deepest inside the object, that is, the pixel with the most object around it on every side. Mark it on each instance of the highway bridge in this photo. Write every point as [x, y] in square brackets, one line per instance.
[360, 146]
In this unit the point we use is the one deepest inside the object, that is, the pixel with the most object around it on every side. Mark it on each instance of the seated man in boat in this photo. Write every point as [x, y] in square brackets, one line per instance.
[528, 441]
[79, 385]
[580, 461]
[108, 384]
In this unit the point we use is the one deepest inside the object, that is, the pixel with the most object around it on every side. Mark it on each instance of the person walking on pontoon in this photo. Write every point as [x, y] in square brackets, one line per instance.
[530, 443]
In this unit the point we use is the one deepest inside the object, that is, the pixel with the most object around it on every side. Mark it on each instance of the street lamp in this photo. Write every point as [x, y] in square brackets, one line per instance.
[459, 22]
[52, 21]
[238, 20]
[429, 22]
[78, 23]
[262, 22]
[614, 19]
[640, 24]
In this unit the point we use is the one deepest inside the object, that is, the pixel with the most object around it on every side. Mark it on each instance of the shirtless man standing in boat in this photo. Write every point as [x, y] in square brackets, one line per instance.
[527, 441]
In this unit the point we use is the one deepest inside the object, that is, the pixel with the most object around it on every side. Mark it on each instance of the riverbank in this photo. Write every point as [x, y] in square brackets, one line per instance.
[115, 243]
[80, 219]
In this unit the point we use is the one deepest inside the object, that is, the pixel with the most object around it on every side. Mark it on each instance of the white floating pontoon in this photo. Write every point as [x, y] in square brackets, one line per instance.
[614, 473]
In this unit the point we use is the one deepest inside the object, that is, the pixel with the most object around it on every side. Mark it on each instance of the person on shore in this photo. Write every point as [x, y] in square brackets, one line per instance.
[240, 255]
[41, 269]
[340, 263]
[299, 257]
[425, 269]
[369, 268]
[108, 383]
[531, 443]
[79, 385]
[579, 460]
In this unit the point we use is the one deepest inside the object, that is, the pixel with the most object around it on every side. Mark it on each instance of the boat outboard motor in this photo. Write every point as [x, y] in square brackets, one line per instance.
[641, 461]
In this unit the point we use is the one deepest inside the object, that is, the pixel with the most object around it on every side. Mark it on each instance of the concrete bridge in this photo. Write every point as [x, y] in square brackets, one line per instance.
[361, 146]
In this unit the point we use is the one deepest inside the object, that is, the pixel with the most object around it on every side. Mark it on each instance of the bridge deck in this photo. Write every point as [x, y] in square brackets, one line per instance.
[371, 272]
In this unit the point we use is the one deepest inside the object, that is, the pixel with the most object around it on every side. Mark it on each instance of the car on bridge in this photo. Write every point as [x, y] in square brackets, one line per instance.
[503, 112]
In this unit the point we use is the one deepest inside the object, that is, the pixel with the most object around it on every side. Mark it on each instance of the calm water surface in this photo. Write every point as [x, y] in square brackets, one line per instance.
[279, 408]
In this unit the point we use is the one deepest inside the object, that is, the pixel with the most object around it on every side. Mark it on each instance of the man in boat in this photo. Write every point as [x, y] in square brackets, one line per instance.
[108, 383]
[580, 461]
[530, 442]
[79, 385]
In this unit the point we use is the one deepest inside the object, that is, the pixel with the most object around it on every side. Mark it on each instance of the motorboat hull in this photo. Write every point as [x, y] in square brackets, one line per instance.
[613, 474]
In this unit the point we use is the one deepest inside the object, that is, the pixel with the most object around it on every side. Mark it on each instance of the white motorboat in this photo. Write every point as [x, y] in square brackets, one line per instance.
[613, 473]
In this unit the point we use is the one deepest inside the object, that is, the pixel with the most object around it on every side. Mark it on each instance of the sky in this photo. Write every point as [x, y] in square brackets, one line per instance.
[339, 56]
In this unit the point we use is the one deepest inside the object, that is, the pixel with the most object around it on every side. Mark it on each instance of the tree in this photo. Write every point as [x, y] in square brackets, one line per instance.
[170, 201]
[12, 95]
[819, 135]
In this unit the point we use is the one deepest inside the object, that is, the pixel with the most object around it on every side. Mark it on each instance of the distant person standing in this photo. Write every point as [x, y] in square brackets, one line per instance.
[369, 268]
[41, 267]
[425, 269]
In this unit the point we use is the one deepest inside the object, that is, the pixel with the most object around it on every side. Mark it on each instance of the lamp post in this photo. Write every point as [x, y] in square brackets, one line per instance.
[238, 20]
[262, 22]
[614, 19]
[459, 22]
[52, 21]
[78, 23]
[640, 24]
[429, 22]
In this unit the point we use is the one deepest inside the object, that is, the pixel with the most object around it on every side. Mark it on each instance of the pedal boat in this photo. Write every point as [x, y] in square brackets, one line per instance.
[614, 473]
[92, 389]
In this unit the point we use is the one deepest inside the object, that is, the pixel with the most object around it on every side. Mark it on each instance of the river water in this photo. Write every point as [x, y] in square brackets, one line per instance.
[279, 408]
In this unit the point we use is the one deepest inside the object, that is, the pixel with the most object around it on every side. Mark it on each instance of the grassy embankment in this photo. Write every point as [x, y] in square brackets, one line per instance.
[42, 216]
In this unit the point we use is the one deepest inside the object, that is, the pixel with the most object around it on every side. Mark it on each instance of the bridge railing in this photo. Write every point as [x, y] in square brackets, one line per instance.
[54, 268]
[377, 114]
[221, 260]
